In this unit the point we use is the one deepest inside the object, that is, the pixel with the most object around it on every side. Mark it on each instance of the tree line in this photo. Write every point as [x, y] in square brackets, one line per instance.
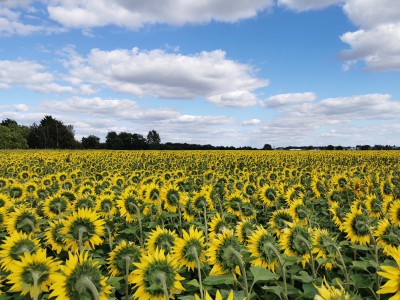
[51, 133]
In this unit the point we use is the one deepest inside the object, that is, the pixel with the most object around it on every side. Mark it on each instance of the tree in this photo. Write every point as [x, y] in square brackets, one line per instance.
[267, 147]
[153, 139]
[51, 134]
[113, 141]
[91, 142]
[12, 135]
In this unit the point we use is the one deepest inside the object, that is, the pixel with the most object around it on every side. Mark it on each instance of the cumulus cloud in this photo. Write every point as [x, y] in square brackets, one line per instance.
[252, 122]
[29, 74]
[135, 14]
[10, 23]
[379, 47]
[377, 41]
[288, 99]
[114, 108]
[303, 5]
[160, 74]
[303, 123]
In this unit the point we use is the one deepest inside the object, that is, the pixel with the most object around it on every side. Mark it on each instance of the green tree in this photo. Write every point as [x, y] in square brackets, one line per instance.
[12, 135]
[51, 133]
[91, 142]
[153, 139]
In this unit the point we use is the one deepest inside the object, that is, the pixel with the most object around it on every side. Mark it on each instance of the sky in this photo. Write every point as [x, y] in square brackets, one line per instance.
[221, 72]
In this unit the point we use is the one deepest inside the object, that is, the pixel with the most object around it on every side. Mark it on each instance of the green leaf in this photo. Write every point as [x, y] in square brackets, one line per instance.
[194, 282]
[362, 281]
[309, 291]
[303, 277]
[362, 265]
[275, 289]
[262, 274]
[221, 279]
[360, 247]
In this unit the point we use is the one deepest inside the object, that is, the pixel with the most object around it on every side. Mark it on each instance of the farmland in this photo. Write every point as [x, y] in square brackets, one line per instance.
[199, 224]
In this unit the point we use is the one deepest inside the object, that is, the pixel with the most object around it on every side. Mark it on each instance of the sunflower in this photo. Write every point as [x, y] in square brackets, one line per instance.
[217, 225]
[234, 203]
[373, 204]
[202, 201]
[357, 227]
[17, 191]
[83, 229]
[14, 246]
[87, 201]
[339, 213]
[259, 246]
[298, 211]
[218, 296]
[394, 213]
[56, 205]
[54, 238]
[32, 274]
[161, 239]
[80, 277]
[393, 274]
[156, 277]
[388, 235]
[296, 242]
[188, 209]
[22, 219]
[130, 205]
[341, 181]
[318, 186]
[170, 195]
[105, 206]
[268, 195]
[125, 254]
[153, 193]
[280, 220]
[221, 253]
[327, 292]
[323, 247]
[190, 248]
[244, 229]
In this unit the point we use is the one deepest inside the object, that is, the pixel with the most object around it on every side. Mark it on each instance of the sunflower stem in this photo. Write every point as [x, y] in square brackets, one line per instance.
[180, 217]
[140, 224]
[127, 265]
[282, 265]
[346, 274]
[312, 263]
[161, 278]
[194, 251]
[242, 270]
[110, 242]
[85, 283]
[36, 287]
[205, 222]
[81, 231]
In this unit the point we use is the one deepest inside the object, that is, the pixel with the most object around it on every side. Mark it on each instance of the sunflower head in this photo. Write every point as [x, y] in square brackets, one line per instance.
[161, 239]
[243, 230]
[357, 227]
[296, 242]
[80, 277]
[156, 276]
[327, 292]
[222, 253]
[125, 254]
[190, 250]
[260, 246]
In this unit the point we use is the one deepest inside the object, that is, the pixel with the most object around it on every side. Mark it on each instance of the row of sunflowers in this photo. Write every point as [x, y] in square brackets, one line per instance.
[199, 225]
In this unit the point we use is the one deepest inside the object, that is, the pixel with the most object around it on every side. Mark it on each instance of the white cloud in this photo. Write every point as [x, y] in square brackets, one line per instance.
[377, 41]
[303, 5]
[252, 122]
[288, 99]
[108, 108]
[379, 47]
[302, 124]
[135, 14]
[370, 13]
[31, 75]
[10, 23]
[169, 75]
[21, 107]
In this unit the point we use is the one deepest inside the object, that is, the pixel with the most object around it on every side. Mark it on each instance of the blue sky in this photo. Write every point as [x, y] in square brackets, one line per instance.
[221, 72]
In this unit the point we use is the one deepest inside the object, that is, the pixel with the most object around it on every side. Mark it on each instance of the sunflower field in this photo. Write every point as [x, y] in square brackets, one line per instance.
[199, 225]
